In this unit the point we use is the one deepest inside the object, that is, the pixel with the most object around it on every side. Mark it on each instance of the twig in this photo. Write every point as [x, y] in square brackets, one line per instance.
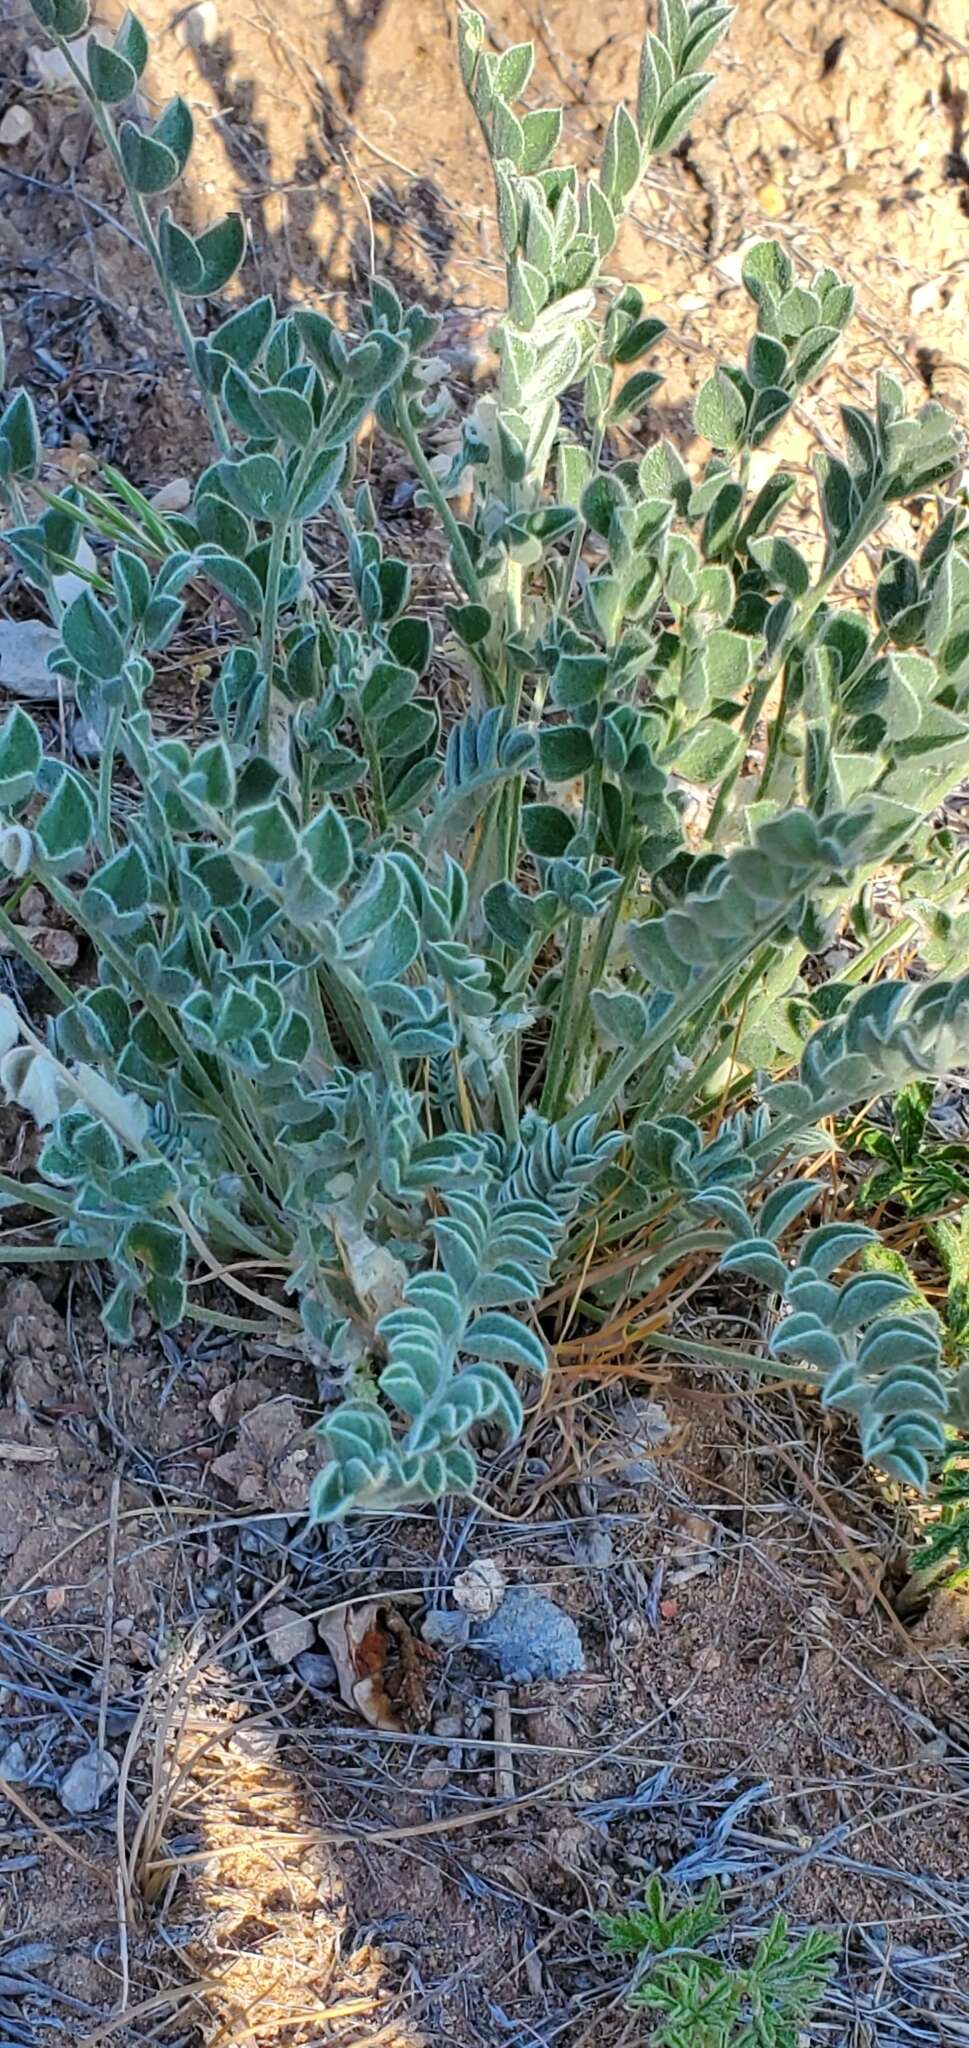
[504, 1762]
[926, 27]
[109, 1606]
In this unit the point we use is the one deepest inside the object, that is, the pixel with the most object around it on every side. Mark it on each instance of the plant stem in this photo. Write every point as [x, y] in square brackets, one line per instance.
[580, 528]
[597, 966]
[45, 1255]
[34, 1195]
[793, 642]
[462, 560]
[105, 778]
[275, 717]
[739, 1361]
[28, 953]
[625, 1064]
[566, 1022]
[106, 130]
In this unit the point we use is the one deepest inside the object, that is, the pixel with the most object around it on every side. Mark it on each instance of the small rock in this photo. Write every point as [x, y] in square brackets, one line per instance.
[176, 495]
[921, 299]
[316, 1669]
[257, 1744]
[449, 1724]
[480, 1588]
[57, 947]
[71, 583]
[198, 25]
[88, 1782]
[446, 1630]
[24, 647]
[595, 1549]
[288, 1633]
[771, 201]
[85, 741]
[52, 69]
[435, 1776]
[13, 1764]
[730, 265]
[15, 127]
[645, 1425]
[529, 1638]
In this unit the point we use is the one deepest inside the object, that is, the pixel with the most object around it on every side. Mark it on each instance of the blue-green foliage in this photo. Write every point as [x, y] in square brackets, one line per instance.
[388, 1004]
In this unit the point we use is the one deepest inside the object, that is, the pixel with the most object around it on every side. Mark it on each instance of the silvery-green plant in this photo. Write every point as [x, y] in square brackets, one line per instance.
[392, 1023]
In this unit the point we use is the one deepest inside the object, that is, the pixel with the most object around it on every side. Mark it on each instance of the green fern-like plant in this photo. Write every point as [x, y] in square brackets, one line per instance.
[703, 1999]
[390, 1020]
[920, 1172]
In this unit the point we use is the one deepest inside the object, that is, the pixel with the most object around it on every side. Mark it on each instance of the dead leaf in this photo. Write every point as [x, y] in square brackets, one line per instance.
[231, 1403]
[382, 1667]
[57, 948]
[24, 647]
[358, 1645]
[274, 1460]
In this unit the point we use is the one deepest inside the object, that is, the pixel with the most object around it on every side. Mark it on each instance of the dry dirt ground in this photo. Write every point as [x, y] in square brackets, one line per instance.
[272, 1870]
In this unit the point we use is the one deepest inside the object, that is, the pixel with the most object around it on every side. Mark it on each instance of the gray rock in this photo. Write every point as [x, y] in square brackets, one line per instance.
[449, 1724]
[288, 1633]
[85, 741]
[595, 1549]
[529, 1638]
[644, 1425]
[24, 647]
[446, 1628]
[13, 1764]
[88, 1782]
[257, 1744]
[316, 1669]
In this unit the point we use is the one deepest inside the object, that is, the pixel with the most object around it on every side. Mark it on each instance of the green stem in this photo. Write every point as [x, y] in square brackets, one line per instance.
[219, 1319]
[372, 752]
[275, 733]
[105, 779]
[462, 560]
[106, 130]
[45, 1255]
[580, 528]
[34, 1195]
[738, 1361]
[792, 643]
[625, 1064]
[21, 944]
[566, 1021]
[239, 1233]
[774, 738]
[597, 967]
[507, 1103]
